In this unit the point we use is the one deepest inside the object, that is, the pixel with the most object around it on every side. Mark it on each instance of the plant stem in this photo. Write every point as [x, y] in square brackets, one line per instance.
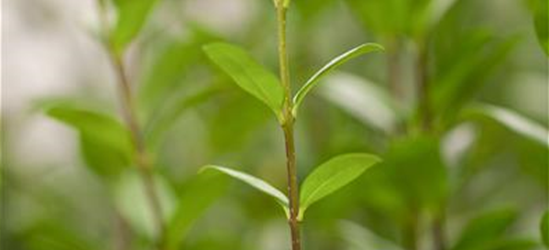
[439, 239]
[288, 128]
[410, 233]
[424, 95]
[141, 156]
[393, 68]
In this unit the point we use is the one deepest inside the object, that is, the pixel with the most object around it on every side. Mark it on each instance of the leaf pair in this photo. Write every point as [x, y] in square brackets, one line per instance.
[263, 84]
[323, 181]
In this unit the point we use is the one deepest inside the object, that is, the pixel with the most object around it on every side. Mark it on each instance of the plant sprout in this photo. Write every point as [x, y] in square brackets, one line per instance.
[278, 96]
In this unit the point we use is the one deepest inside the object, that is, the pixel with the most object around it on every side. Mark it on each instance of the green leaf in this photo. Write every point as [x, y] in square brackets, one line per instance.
[465, 70]
[513, 121]
[544, 227]
[363, 100]
[131, 201]
[255, 182]
[541, 22]
[106, 144]
[248, 74]
[333, 175]
[485, 229]
[132, 16]
[162, 120]
[355, 52]
[197, 196]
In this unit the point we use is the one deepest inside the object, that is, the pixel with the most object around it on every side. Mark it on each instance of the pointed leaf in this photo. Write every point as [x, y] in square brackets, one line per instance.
[333, 175]
[248, 74]
[363, 100]
[132, 16]
[513, 121]
[105, 143]
[133, 203]
[197, 196]
[360, 50]
[255, 182]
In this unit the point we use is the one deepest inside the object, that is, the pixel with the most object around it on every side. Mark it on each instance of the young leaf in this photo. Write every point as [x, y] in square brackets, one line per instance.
[248, 74]
[363, 100]
[105, 142]
[198, 194]
[513, 121]
[133, 204]
[545, 228]
[162, 120]
[132, 15]
[255, 182]
[360, 50]
[333, 175]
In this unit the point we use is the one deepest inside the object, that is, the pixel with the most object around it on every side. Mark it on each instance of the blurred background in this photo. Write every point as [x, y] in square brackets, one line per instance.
[457, 107]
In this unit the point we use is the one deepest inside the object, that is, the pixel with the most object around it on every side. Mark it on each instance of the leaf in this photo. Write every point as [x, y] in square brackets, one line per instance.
[106, 144]
[467, 70]
[171, 70]
[362, 99]
[255, 182]
[544, 228]
[132, 16]
[485, 229]
[541, 22]
[513, 121]
[248, 74]
[162, 120]
[166, 72]
[198, 195]
[355, 52]
[130, 199]
[333, 175]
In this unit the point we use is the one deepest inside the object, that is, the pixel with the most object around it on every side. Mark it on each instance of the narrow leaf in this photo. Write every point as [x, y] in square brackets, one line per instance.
[197, 196]
[333, 175]
[255, 182]
[362, 99]
[513, 121]
[105, 143]
[133, 203]
[162, 120]
[132, 16]
[360, 50]
[248, 74]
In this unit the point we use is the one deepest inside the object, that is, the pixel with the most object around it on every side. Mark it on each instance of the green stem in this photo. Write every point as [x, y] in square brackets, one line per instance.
[288, 128]
[423, 84]
[141, 158]
[439, 239]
